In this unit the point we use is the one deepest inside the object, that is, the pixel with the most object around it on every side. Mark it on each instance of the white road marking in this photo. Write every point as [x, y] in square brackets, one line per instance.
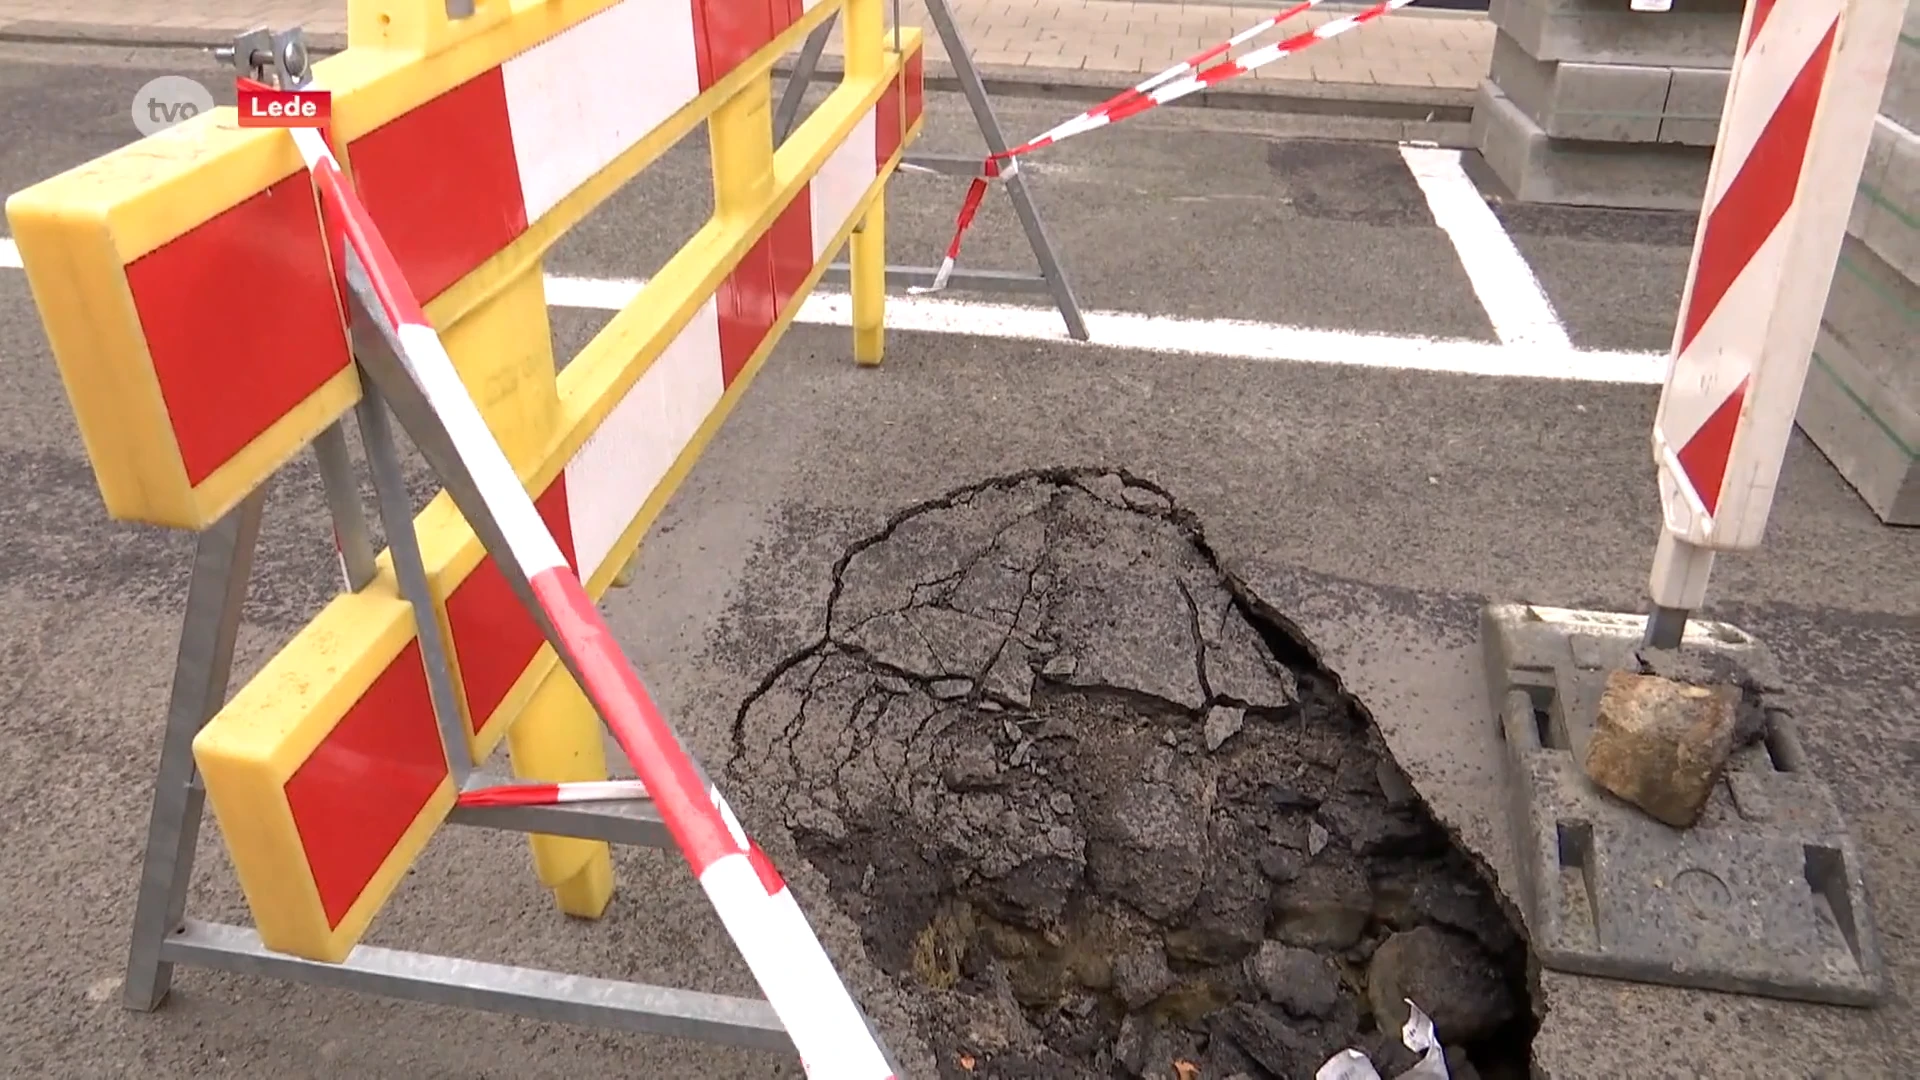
[1516, 305]
[1223, 338]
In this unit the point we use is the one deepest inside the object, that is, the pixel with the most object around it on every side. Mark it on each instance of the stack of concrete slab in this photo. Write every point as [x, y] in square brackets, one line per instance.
[1591, 103]
[1861, 406]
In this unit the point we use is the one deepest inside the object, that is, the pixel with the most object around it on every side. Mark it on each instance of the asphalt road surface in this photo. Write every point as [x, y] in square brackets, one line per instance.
[1376, 506]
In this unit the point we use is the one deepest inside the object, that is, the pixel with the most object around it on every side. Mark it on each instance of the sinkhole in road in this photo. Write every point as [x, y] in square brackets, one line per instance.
[1101, 813]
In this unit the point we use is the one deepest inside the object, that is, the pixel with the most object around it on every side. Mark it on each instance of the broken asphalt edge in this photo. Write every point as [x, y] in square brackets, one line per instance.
[1414, 105]
[1265, 617]
[1283, 638]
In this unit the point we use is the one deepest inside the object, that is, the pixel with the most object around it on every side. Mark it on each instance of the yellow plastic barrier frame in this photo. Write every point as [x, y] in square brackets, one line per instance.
[250, 752]
[81, 233]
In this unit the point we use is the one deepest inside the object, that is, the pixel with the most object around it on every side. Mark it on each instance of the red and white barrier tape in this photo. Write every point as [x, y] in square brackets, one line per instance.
[1176, 82]
[753, 903]
[1097, 116]
[554, 794]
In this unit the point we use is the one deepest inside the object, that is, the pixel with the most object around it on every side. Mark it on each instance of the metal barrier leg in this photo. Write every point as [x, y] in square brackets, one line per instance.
[222, 562]
[795, 91]
[996, 137]
[579, 871]
[1679, 586]
[396, 517]
[343, 504]
[164, 937]
[1052, 278]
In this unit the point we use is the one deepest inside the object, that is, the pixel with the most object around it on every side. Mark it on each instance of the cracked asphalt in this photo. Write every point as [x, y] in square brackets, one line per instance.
[1070, 777]
[1375, 509]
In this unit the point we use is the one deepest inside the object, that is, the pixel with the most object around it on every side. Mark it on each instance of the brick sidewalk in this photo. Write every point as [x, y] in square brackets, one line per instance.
[1421, 57]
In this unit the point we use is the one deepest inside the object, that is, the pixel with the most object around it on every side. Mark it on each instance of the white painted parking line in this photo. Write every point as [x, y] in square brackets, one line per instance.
[1222, 338]
[1516, 305]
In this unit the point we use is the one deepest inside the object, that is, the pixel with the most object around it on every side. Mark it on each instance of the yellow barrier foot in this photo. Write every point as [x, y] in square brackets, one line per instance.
[586, 894]
[558, 738]
[868, 256]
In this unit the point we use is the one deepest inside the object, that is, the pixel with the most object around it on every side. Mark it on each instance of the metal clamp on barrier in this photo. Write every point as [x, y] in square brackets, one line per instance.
[460, 143]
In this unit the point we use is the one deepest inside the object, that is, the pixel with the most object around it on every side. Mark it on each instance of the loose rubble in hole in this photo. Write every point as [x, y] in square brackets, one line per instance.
[1106, 816]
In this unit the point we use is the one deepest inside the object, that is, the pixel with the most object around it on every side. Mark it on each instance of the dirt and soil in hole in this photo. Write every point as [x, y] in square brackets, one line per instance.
[1102, 812]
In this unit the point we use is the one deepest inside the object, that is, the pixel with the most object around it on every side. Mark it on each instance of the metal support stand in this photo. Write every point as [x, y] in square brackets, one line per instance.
[163, 936]
[1051, 278]
[1678, 585]
[222, 561]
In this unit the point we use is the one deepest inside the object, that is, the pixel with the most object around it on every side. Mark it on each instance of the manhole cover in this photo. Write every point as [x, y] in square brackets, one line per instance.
[1102, 814]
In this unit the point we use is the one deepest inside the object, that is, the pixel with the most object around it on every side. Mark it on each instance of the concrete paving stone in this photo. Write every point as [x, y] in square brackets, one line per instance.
[1901, 103]
[1616, 35]
[1694, 100]
[1873, 172]
[1733, 8]
[1875, 306]
[1862, 401]
[1610, 102]
[1886, 215]
[1539, 168]
[1869, 437]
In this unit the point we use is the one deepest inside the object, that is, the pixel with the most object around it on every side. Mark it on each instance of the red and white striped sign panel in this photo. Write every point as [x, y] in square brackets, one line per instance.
[1807, 79]
[458, 178]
